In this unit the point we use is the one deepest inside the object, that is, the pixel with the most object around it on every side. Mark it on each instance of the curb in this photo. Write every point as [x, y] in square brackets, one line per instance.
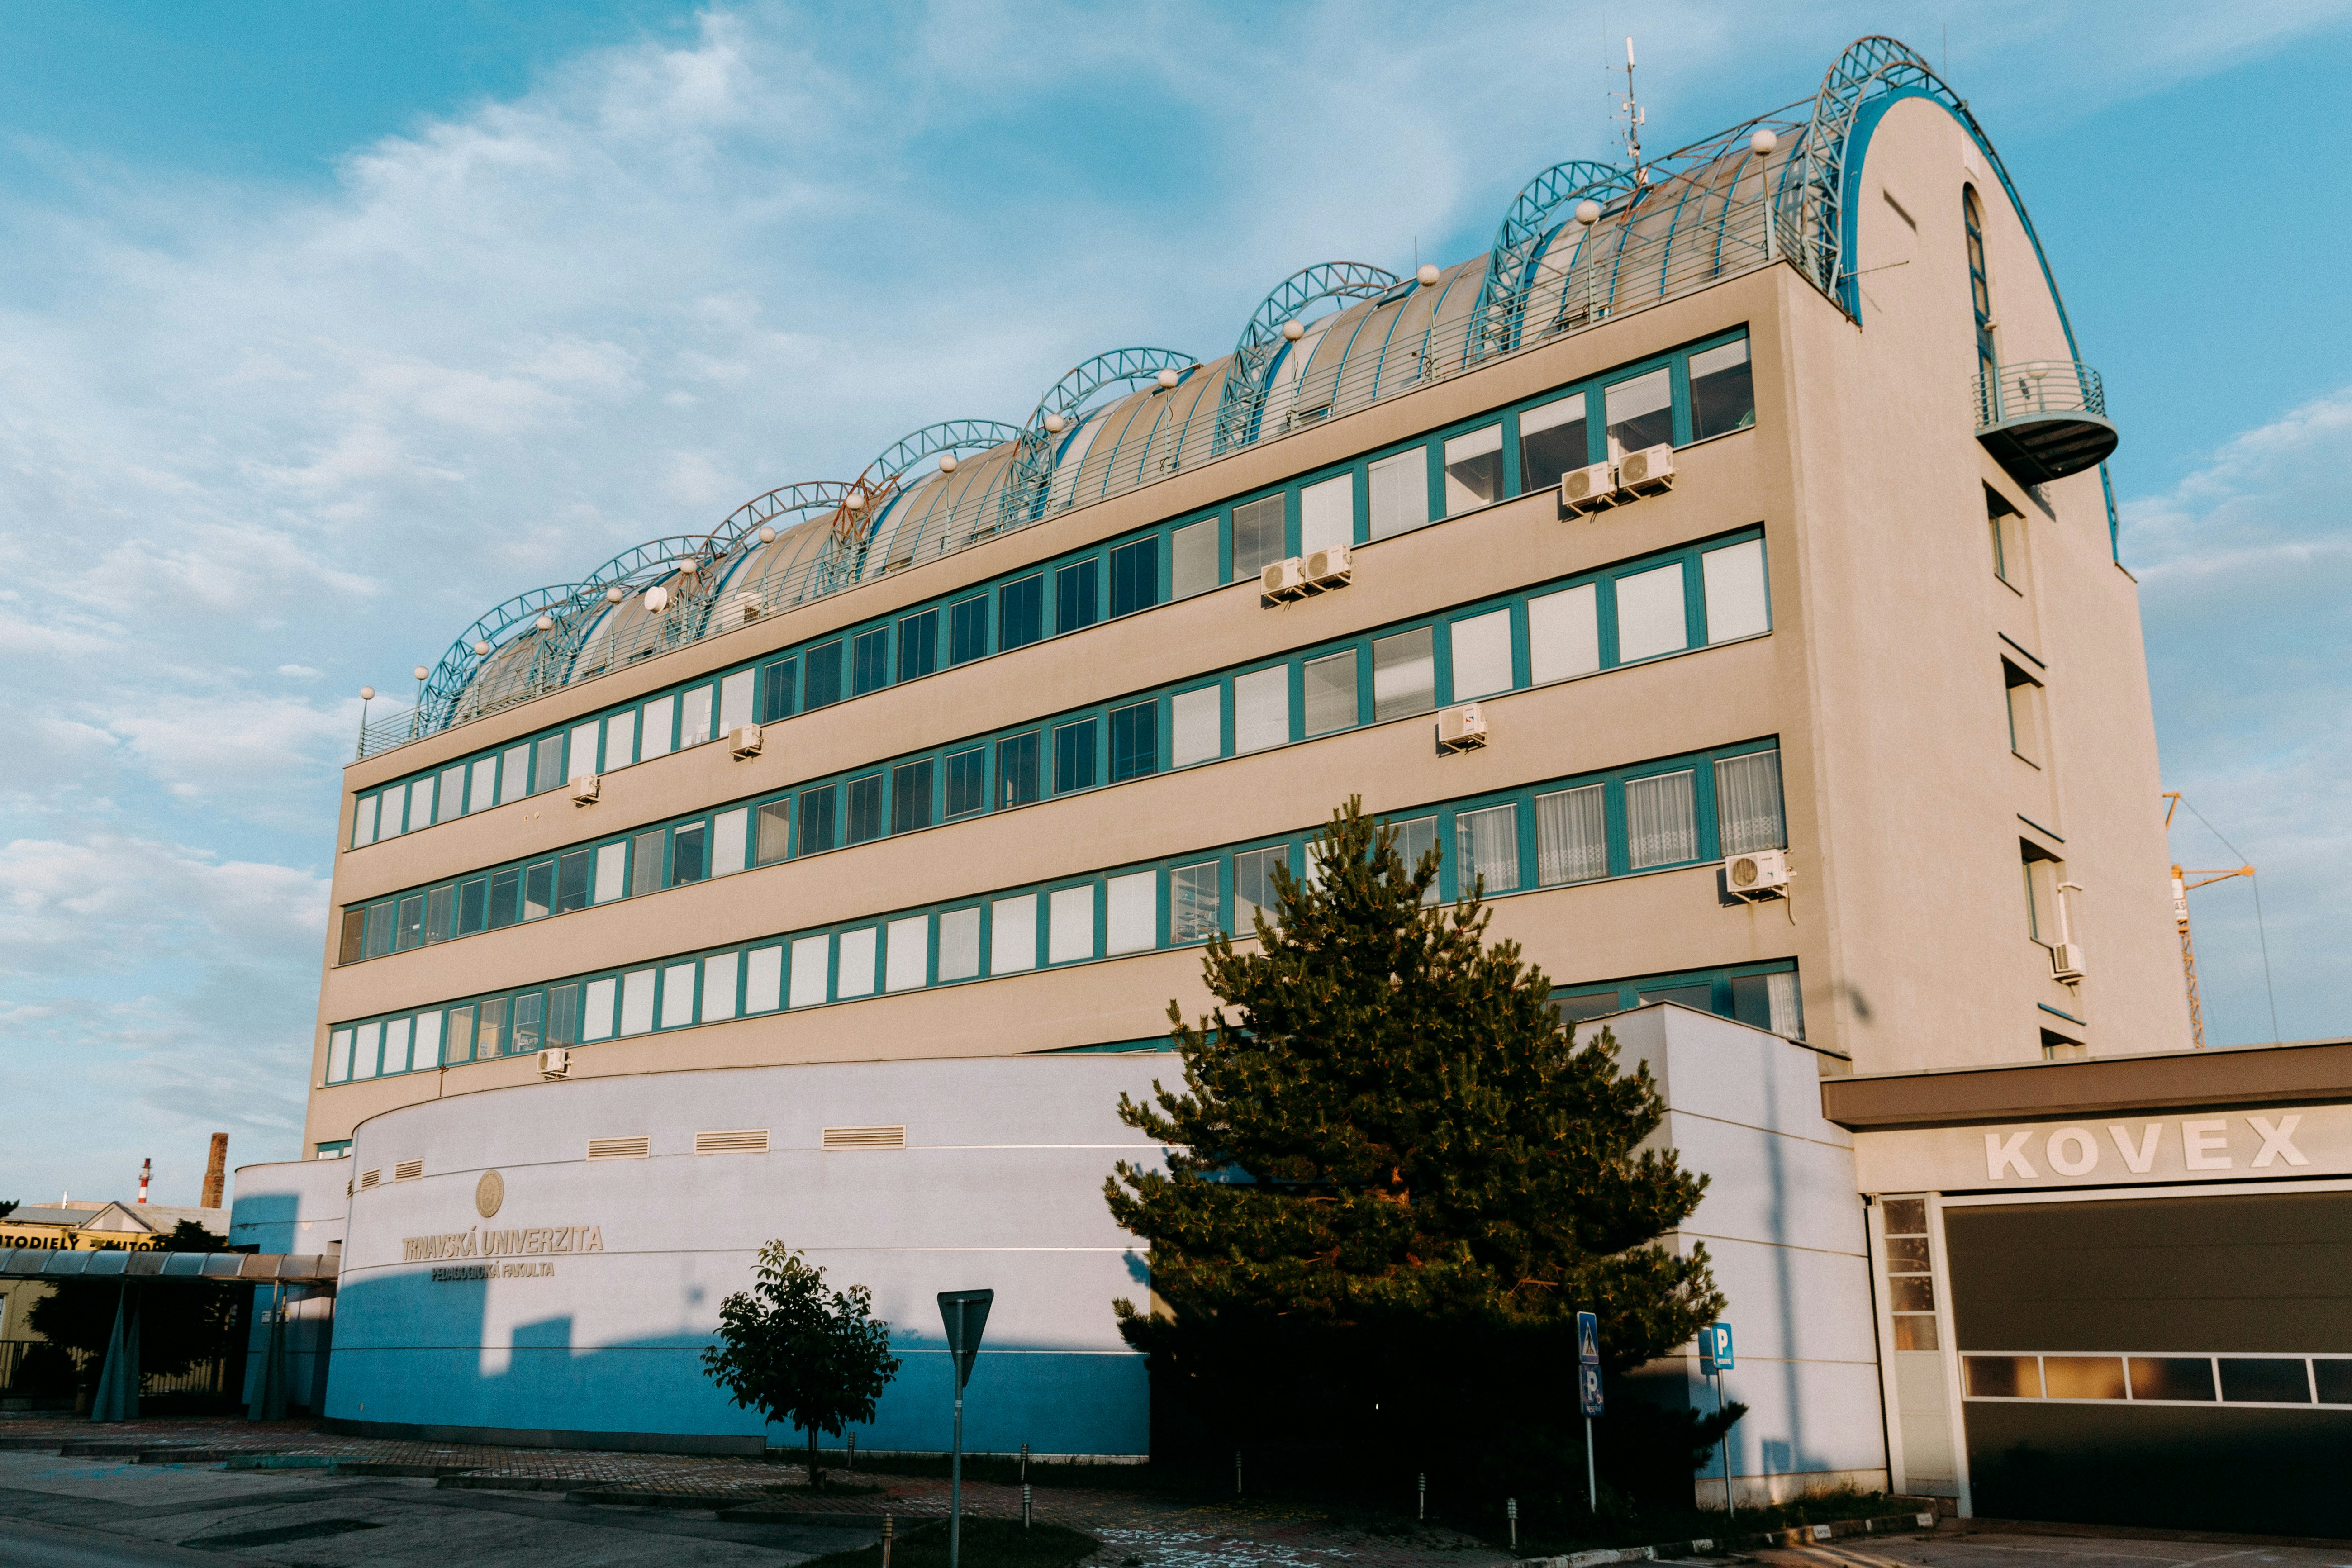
[752, 1513]
[1886, 1524]
[622, 1498]
[469, 1480]
[251, 1461]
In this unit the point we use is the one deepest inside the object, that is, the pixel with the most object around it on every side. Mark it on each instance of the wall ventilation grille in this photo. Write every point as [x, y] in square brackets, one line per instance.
[635, 1147]
[368, 1179]
[866, 1138]
[408, 1169]
[751, 1141]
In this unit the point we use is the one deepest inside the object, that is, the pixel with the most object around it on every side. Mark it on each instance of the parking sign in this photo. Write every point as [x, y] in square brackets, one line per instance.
[1588, 1384]
[1714, 1348]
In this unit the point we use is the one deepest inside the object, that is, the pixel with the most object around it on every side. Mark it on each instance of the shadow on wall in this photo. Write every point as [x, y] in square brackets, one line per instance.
[447, 1372]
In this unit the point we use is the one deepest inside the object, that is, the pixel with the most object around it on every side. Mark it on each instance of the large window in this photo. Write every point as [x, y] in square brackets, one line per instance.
[1404, 676]
[1400, 492]
[967, 629]
[918, 645]
[1722, 391]
[1661, 821]
[869, 661]
[1748, 804]
[1021, 612]
[1077, 596]
[1332, 693]
[1258, 537]
[1474, 470]
[1262, 710]
[1571, 835]
[1640, 412]
[1134, 577]
[1552, 441]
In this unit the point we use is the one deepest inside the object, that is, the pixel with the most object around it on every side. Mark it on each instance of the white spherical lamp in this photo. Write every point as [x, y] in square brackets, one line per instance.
[688, 566]
[481, 650]
[1168, 380]
[615, 596]
[1428, 275]
[420, 672]
[367, 693]
[767, 536]
[657, 600]
[1762, 143]
[1056, 424]
[1292, 332]
[1588, 211]
[947, 462]
[545, 622]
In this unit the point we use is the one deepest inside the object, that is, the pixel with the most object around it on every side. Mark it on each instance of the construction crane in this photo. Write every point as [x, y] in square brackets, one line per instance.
[2181, 888]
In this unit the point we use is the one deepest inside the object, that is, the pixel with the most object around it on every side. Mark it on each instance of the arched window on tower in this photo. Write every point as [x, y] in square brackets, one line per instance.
[1979, 285]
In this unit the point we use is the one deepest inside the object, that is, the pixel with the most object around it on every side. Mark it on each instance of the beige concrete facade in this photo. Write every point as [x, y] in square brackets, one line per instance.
[1882, 680]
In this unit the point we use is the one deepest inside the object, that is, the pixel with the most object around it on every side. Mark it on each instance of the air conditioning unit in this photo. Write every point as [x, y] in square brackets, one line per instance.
[2066, 961]
[1759, 874]
[746, 741]
[1588, 489]
[555, 1061]
[1461, 729]
[1284, 580]
[742, 607]
[584, 788]
[1648, 472]
[1330, 568]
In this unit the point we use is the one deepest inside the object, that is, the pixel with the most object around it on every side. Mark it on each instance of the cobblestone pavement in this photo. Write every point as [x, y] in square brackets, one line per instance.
[1135, 1527]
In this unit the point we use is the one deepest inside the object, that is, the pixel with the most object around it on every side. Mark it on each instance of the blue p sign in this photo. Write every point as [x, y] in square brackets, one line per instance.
[1588, 1384]
[1714, 1348]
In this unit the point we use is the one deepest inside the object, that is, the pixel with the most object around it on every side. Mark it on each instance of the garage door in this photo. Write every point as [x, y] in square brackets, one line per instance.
[2180, 1362]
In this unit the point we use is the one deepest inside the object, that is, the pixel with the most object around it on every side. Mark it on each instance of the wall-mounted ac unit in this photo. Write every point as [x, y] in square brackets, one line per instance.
[555, 1061]
[584, 788]
[1588, 489]
[1461, 729]
[1759, 874]
[1648, 472]
[1284, 580]
[1334, 567]
[2066, 961]
[746, 741]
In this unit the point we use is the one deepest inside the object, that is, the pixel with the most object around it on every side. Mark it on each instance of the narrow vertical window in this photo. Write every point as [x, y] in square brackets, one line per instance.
[1572, 836]
[1077, 594]
[1487, 847]
[907, 954]
[1070, 925]
[598, 1001]
[1017, 773]
[583, 760]
[1980, 302]
[637, 1002]
[564, 1016]
[726, 833]
[354, 941]
[1415, 839]
[1197, 726]
[818, 808]
[1553, 439]
[657, 728]
[1021, 612]
[773, 839]
[1262, 709]
[1661, 827]
[1332, 693]
[490, 1028]
[524, 1036]
[1327, 514]
[1480, 647]
[1253, 891]
[1404, 676]
[428, 1051]
[959, 943]
[364, 821]
[1564, 634]
[967, 782]
[1193, 902]
[864, 808]
[812, 971]
[2023, 694]
[1652, 618]
[612, 871]
[1134, 741]
[1013, 934]
[1192, 559]
[776, 681]
[689, 854]
[763, 980]
[677, 995]
[1134, 577]
[1073, 757]
[854, 964]
[440, 914]
[538, 890]
[620, 741]
[514, 774]
[910, 795]
[547, 767]
[694, 718]
[1131, 912]
[450, 802]
[1748, 804]
[572, 879]
[1640, 413]
[646, 867]
[968, 630]
[1400, 492]
[1722, 391]
[823, 682]
[869, 661]
[736, 708]
[1258, 537]
[918, 645]
[1474, 470]
[505, 899]
[460, 1047]
[379, 929]
[1733, 581]
[338, 1056]
[473, 906]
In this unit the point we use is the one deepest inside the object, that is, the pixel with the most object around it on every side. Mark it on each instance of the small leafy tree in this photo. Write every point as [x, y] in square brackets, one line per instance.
[1394, 1178]
[796, 1352]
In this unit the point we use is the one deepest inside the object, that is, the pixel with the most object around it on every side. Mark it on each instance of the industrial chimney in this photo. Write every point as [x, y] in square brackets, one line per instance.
[146, 1171]
[217, 1171]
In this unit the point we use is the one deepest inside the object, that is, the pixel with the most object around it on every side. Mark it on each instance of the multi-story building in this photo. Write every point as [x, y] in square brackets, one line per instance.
[1734, 516]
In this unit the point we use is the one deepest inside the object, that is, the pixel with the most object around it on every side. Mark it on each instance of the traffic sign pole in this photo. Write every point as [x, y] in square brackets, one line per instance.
[965, 1314]
[1713, 1360]
[1588, 1380]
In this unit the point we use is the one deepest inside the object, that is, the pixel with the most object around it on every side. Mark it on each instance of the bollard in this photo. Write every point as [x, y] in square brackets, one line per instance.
[1237, 1472]
[1511, 1507]
[1421, 1510]
[886, 1541]
[1024, 1505]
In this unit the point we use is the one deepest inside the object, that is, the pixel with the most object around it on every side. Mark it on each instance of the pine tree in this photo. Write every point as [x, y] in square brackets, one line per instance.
[1393, 1177]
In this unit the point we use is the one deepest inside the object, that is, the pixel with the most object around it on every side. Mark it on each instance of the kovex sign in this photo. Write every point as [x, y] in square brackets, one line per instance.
[2105, 1151]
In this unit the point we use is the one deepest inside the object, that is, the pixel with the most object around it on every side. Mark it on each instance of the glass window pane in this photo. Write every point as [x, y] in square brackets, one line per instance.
[1915, 1332]
[562, 1017]
[869, 661]
[1481, 649]
[1258, 537]
[440, 914]
[2002, 1376]
[1733, 578]
[1571, 837]
[2334, 1376]
[448, 802]
[473, 906]
[514, 774]
[538, 890]
[735, 701]
[823, 682]
[394, 802]
[1400, 492]
[582, 761]
[1013, 934]
[855, 974]
[481, 785]
[1651, 617]
[864, 808]
[726, 835]
[918, 645]
[572, 874]
[959, 943]
[910, 795]
[776, 683]
[1077, 594]
[1784, 1005]
[1415, 837]
[1640, 413]
[1193, 905]
[811, 963]
[364, 821]
[1192, 559]
[1135, 576]
[718, 988]
[620, 740]
[2273, 1380]
[1722, 391]
[763, 985]
[505, 899]
[1552, 440]
[1474, 470]
[368, 1051]
[490, 1025]
[1332, 693]
[354, 943]
[1073, 757]
[967, 782]
[1021, 616]
[2171, 1377]
[1254, 890]
[1660, 827]
[773, 838]
[547, 765]
[1018, 773]
[646, 863]
[819, 815]
[1487, 844]
[906, 965]
[2087, 1376]
[968, 630]
[1261, 709]
[689, 854]
[677, 995]
[1564, 634]
[660, 724]
[1327, 514]
[637, 1002]
[1134, 741]
[1197, 722]
[1748, 804]
[395, 1046]
[1070, 933]
[595, 1012]
[1404, 676]
[1131, 912]
[409, 928]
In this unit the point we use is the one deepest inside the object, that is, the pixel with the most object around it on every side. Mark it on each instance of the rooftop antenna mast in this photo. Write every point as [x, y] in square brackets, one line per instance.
[1635, 117]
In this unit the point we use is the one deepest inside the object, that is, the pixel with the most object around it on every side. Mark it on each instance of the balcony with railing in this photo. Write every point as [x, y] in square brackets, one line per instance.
[2044, 419]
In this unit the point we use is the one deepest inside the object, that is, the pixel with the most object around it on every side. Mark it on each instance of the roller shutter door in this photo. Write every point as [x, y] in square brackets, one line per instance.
[2175, 1362]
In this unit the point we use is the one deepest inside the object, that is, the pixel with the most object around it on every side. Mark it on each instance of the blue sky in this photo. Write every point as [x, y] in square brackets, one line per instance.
[325, 327]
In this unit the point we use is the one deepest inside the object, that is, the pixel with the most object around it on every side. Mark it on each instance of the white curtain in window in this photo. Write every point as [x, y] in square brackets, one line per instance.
[727, 833]
[812, 955]
[1400, 492]
[763, 980]
[959, 943]
[735, 701]
[451, 801]
[596, 1015]
[1070, 933]
[718, 988]
[1132, 908]
[1197, 721]
[677, 995]
[1572, 836]
[694, 718]
[1487, 843]
[428, 1051]
[1013, 934]
[396, 1046]
[854, 975]
[514, 775]
[621, 739]
[338, 1056]
[1788, 1010]
[637, 1001]
[909, 960]
[1660, 825]
[1404, 676]
[364, 821]
[395, 811]
[371, 1044]
[582, 761]
[1564, 634]
[1192, 559]
[1481, 647]
[1262, 709]
[657, 728]
[1327, 514]
[1736, 605]
[1331, 693]
[1748, 804]
[1650, 619]
[481, 779]
[612, 866]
